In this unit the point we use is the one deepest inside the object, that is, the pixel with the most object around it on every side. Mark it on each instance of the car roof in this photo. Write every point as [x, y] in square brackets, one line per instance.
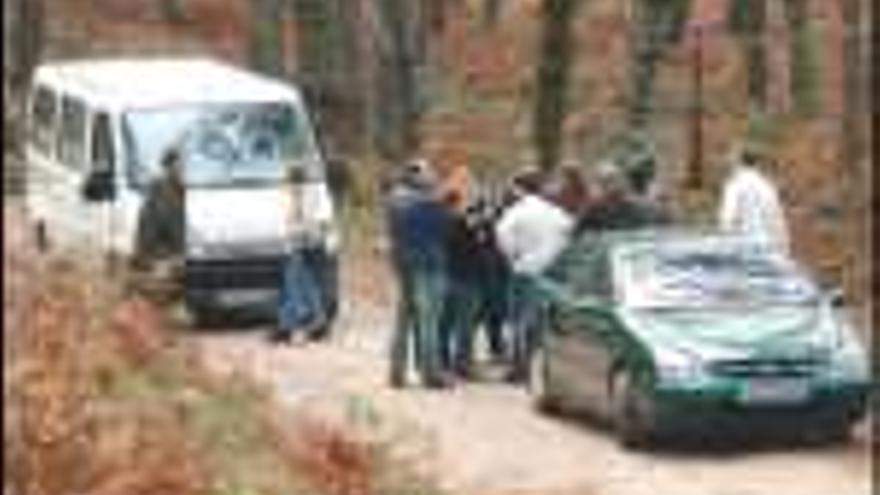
[127, 83]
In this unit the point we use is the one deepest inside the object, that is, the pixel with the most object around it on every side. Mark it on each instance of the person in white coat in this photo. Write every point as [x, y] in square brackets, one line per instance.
[531, 233]
[750, 203]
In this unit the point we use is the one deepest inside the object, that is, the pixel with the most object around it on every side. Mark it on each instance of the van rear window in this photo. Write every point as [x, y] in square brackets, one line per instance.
[72, 138]
[43, 111]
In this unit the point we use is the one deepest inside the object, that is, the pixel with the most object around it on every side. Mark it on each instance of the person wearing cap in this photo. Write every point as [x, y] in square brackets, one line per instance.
[616, 206]
[750, 203]
[417, 224]
[531, 233]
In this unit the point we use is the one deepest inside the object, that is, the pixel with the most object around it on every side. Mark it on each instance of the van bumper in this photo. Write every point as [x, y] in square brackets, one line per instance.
[209, 275]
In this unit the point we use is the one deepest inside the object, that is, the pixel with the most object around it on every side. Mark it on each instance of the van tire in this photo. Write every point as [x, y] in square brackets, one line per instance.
[41, 236]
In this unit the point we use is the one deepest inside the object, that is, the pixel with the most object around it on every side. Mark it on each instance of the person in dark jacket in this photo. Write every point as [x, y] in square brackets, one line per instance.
[418, 227]
[160, 237]
[617, 207]
[464, 273]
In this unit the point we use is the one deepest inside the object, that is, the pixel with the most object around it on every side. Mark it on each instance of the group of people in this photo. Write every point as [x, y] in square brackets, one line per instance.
[465, 256]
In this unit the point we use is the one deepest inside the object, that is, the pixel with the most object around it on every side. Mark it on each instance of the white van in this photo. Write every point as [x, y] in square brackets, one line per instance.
[98, 129]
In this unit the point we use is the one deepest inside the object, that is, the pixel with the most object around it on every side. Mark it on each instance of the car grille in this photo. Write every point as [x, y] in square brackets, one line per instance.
[764, 367]
[250, 273]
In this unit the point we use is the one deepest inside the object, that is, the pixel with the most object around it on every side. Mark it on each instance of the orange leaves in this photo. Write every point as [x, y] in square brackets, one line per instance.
[334, 460]
[138, 330]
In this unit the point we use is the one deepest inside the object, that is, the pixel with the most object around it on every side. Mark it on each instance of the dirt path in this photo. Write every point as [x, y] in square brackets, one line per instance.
[485, 438]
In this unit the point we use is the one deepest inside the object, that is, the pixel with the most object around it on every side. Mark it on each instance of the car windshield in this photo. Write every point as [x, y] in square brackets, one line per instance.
[718, 277]
[221, 144]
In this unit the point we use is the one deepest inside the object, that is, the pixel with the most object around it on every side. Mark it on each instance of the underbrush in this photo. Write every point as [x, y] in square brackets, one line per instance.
[102, 397]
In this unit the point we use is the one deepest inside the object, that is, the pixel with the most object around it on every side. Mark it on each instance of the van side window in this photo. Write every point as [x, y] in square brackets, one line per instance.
[72, 137]
[102, 144]
[43, 111]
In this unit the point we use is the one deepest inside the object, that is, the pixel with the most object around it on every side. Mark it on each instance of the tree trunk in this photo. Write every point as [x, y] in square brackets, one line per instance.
[265, 36]
[802, 57]
[23, 41]
[747, 19]
[401, 46]
[658, 25]
[552, 79]
[329, 69]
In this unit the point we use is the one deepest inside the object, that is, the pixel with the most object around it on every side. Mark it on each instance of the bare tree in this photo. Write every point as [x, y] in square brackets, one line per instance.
[748, 19]
[400, 41]
[552, 78]
[265, 48]
[23, 40]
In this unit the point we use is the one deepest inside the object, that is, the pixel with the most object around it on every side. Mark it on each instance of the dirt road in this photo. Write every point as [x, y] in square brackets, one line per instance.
[485, 438]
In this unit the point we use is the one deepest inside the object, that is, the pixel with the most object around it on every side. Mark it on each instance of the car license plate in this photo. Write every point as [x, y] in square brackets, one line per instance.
[242, 297]
[775, 391]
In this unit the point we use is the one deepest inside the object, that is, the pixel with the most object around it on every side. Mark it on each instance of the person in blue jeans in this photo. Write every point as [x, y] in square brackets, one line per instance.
[301, 308]
[307, 297]
[417, 224]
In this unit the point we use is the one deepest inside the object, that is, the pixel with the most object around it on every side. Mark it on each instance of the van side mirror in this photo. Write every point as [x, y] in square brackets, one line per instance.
[99, 186]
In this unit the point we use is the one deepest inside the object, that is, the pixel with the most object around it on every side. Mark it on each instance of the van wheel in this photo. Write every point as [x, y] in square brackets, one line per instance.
[632, 412]
[41, 236]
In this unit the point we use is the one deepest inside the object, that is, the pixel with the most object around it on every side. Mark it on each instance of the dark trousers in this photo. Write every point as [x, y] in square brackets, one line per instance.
[525, 314]
[419, 310]
[325, 271]
[459, 321]
[308, 296]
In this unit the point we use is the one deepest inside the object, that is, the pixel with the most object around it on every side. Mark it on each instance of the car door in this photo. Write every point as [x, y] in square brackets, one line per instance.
[580, 338]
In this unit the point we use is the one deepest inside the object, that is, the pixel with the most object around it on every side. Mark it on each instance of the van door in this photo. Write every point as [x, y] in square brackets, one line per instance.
[66, 176]
[40, 154]
[99, 189]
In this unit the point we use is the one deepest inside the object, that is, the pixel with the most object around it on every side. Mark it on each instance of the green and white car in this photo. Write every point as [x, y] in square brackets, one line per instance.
[664, 332]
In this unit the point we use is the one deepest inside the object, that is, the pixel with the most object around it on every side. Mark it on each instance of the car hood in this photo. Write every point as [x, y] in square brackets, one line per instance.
[791, 331]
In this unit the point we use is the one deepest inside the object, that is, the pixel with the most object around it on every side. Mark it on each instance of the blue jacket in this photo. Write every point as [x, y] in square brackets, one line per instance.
[418, 226]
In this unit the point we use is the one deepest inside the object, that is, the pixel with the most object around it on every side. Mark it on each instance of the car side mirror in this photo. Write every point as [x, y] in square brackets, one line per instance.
[99, 186]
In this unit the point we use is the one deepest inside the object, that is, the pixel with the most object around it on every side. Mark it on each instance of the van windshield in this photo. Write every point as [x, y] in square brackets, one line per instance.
[221, 144]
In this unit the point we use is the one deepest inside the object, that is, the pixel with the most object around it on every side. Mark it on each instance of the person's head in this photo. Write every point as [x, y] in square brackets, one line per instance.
[748, 155]
[528, 180]
[172, 166]
[570, 188]
[418, 173]
[611, 182]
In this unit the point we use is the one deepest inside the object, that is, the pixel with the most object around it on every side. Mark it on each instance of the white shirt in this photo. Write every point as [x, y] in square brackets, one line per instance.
[750, 205]
[310, 215]
[532, 232]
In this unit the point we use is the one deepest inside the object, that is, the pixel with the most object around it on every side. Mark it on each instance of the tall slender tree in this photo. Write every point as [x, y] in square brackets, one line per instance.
[747, 20]
[265, 47]
[400, 42]
[554, 66]
[657, 25]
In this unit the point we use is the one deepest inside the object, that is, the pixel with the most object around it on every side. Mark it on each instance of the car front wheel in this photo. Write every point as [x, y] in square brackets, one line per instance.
[539, 383]
[632, 412]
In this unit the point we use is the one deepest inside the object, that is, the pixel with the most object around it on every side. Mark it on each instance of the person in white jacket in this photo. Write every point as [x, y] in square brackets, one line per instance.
[750, 203]
[531, 233]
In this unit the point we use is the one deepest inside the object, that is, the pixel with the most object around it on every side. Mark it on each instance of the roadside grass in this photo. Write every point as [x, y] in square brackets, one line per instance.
[103, 397]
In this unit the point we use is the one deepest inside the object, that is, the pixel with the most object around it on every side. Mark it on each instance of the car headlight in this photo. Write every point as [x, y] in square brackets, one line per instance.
[849, 361]
[674, 366]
